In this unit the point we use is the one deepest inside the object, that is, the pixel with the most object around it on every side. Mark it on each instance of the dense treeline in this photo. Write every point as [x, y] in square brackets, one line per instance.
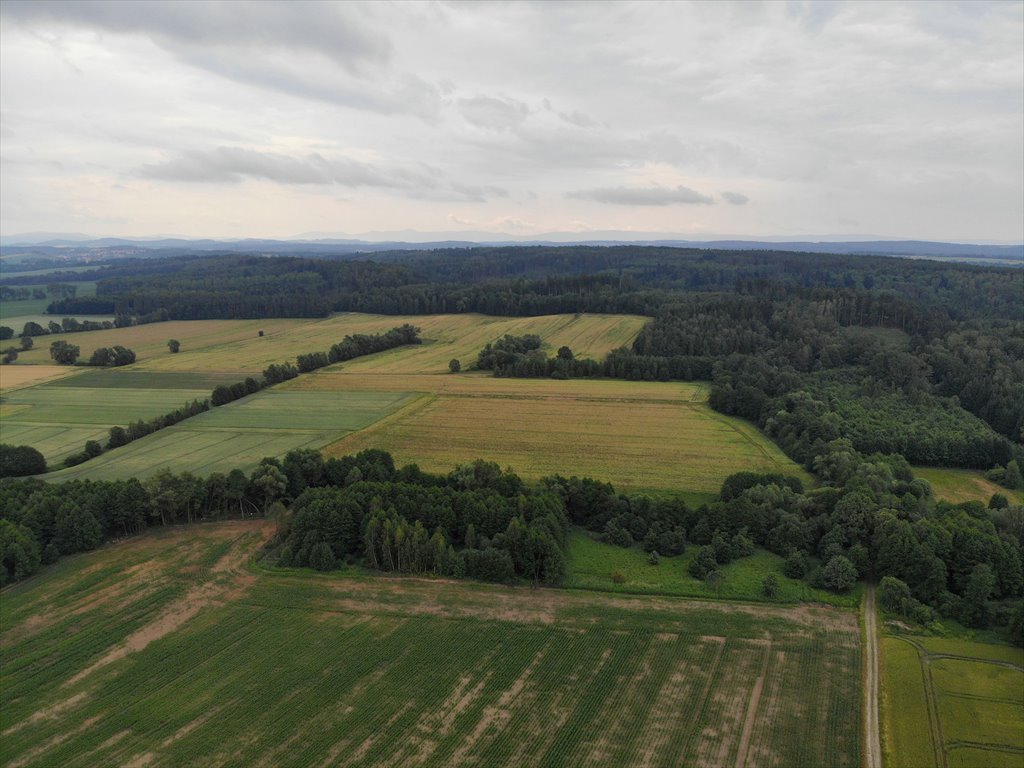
[871, 518]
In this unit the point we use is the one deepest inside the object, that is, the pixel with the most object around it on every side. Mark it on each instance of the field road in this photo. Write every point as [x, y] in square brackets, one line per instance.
[872, 743]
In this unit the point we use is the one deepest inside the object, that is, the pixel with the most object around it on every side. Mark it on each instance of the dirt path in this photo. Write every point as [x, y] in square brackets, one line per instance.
[872, 742]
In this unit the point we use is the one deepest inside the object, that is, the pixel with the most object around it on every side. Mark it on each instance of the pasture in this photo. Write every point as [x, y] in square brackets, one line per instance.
[173, 649]
[958, 485]
[239, 434]
[950, 702]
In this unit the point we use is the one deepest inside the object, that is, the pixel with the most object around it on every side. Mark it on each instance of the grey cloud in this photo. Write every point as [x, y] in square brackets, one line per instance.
[736, 198]
[337, 31]
[578, 119]
[644, 196]
[493, 113]
[324, 51]
[234, 164]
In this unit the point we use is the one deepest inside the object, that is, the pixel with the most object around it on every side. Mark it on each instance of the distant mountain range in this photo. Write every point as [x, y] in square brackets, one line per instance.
[72, 245]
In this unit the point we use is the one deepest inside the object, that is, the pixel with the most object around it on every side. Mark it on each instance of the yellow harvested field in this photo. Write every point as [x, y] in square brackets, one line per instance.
[645, 445]
[445, 337]
[958, 485]
[17, 376]
[206, 339]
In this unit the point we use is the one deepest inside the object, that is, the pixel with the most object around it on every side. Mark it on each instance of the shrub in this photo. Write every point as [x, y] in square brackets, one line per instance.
[770, 585]
[321, 557]
[839, 574]
[618, 577]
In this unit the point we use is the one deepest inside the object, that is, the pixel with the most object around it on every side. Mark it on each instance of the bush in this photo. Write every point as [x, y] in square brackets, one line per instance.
[653, 558]
[618, 577]
[839, 574]
[454, 366]
[20, 460]
[893, 594]
[770, 585]
[321, 557]
[703, 563]
[796, 565]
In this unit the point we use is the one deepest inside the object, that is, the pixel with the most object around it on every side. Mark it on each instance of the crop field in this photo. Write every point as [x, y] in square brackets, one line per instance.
[948, 702]
[591, 564]
[239, 434]
[678, 445]
[57, 420]
[172, 649]
[958, 485]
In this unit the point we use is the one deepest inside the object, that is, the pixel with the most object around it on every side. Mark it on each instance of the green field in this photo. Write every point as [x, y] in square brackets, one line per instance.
[950, 702]
[58, 419]
[169, 649]
[239, 434]
[592, 562]
[958, 485]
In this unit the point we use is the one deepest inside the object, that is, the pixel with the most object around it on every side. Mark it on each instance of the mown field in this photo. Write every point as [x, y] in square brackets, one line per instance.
[171, 649]
[958, 485]
[647, 444]
[591, 564]
[950, 702]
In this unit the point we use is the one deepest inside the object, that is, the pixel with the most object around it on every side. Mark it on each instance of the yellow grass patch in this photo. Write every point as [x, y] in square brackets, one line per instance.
[17, 376]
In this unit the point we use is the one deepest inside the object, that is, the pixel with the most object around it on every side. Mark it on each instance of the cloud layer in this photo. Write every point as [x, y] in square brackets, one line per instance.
[271, 118]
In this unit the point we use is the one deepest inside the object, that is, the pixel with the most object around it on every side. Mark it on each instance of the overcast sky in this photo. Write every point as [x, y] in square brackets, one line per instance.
[279, 119]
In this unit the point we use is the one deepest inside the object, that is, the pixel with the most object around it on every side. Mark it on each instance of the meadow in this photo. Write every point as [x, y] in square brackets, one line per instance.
[173, 648]
[958, 485]
[16, 313]
[951, 702]
[591, 564]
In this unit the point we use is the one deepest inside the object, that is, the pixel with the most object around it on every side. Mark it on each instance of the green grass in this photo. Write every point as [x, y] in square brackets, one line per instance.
[287, 668]
[592, 562]
[239, 434]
